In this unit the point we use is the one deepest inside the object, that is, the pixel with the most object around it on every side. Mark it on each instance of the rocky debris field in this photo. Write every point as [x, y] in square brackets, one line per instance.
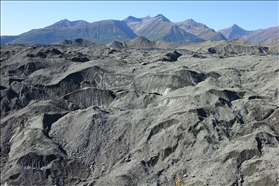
[78, 113]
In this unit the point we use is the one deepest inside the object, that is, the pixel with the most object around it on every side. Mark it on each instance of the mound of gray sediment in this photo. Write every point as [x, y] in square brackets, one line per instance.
[144, 43]
[233, 47]
[75, 42]
[78, 114]
[116, 44]
[238, 46]
[273, 47]
[140, 42]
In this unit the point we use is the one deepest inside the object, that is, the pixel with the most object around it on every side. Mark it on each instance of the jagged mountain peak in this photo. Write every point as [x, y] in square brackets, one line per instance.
[193, 23]
[190, 20]
[235, 26]
[64, 20]
[234, 31]
[148, 17]
[162, 17]
[132, 19]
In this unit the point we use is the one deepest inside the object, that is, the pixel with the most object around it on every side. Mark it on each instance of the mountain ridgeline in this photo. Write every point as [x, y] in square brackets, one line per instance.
[153, 28]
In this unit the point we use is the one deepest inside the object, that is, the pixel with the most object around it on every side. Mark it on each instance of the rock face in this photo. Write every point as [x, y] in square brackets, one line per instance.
[127, 116]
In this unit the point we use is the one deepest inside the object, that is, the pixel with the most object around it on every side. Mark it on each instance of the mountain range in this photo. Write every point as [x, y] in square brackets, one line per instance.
[153, 28]
[256, 36]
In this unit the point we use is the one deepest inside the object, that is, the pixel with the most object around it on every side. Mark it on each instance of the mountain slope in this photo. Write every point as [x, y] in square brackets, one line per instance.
[200, 30]
[7, 39]
[217, 37]
[66, 23]
[210, 34]
[263, 35]
[234, 32]
[255, 36]
[100, 32]
[160, 28]
[180, 35]
[153, 28]
[191, 26]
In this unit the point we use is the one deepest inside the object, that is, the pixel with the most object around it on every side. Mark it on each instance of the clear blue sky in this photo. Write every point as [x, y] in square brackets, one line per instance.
[18, 17]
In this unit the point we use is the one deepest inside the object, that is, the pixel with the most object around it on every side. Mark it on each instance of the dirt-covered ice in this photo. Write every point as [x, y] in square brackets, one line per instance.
[85, 114]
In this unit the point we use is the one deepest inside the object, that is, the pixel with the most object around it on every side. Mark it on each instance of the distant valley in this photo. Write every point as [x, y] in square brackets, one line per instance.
[153, 28]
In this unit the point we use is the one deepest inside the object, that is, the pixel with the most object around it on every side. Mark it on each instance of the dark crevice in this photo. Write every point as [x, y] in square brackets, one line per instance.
[268, 114]
[259, 144]
[15, 176]
[153, 161]
[48, 120]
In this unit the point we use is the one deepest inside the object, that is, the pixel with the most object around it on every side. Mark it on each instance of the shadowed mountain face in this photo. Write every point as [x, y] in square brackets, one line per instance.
[139, 112]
